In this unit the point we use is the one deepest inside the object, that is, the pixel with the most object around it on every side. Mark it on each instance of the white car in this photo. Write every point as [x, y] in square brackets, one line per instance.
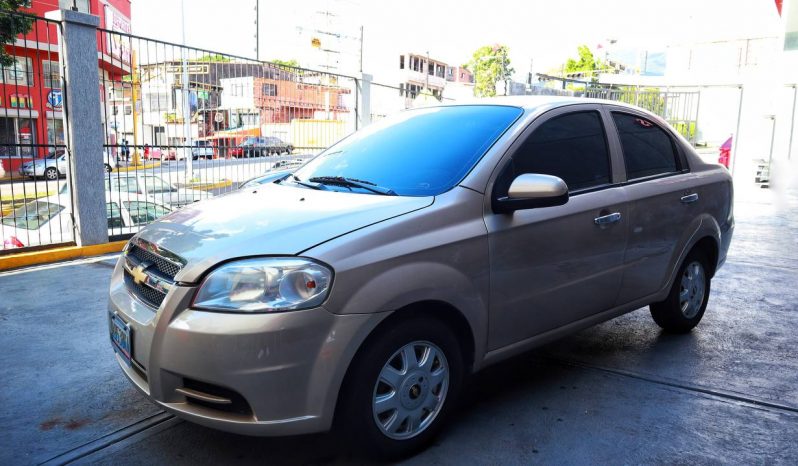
[154, 187]
[49, 220]
[56, 165]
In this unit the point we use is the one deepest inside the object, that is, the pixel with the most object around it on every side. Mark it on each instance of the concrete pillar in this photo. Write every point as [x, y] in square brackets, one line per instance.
[78, 41]
[364, 100]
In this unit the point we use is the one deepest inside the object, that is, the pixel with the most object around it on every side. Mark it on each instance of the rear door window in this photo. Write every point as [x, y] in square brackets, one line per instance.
[647, 148]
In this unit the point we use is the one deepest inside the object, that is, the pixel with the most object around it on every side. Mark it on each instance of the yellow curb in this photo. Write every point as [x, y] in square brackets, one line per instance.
[131, 168]
[207, 186]
[47, 256]
[31, 196]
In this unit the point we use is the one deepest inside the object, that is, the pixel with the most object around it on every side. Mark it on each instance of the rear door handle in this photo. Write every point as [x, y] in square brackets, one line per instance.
[608, 219]
[690, 198]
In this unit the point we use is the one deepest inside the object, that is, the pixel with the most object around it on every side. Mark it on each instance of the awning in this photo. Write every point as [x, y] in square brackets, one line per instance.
[18, 113]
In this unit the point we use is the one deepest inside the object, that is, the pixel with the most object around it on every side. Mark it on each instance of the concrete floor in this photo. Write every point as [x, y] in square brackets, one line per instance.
[618, 393]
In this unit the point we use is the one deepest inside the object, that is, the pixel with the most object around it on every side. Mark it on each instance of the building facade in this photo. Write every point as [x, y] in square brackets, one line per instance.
[31, 95]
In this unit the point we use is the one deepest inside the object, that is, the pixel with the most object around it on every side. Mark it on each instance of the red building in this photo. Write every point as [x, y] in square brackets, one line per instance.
[31, 113]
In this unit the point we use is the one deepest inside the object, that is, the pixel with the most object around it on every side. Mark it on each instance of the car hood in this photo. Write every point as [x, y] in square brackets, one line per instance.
[269, 220]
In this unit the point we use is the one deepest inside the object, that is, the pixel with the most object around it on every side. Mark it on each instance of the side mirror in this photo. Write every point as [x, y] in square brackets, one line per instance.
[531, 190]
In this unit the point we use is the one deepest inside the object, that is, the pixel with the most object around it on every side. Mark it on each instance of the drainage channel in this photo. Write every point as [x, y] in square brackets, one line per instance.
[119, 439]
[725, 394]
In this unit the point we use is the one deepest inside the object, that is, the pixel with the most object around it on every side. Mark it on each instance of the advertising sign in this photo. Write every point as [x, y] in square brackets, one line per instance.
[55, 99]
[117, 46]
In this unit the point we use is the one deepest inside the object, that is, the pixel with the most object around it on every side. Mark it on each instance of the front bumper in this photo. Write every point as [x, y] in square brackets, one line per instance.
[281, 372]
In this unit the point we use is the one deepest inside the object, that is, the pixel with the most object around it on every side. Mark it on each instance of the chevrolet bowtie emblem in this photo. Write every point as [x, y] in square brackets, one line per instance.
[138, 274]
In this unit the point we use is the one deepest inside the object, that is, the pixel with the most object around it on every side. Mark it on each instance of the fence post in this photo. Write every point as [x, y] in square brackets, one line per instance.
[84, 130]
[364, 100]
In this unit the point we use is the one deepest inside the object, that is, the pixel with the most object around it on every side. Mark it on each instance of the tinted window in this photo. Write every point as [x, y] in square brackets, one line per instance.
[114, 215]
[144, 212]
[572, 147]
[420, 152]
[32, 215]
[647, 148]
[125, 184]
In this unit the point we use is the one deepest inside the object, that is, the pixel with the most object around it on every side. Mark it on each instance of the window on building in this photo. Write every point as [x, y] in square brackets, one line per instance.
[157, 101]
[439, 70]
[128, 110]
[55, 131]
[401, 62]
[402, 89]
[647, 149]
[572, 147]
[83, 5]
[269, 89]
[51, 74]
[19, 73]
[430, 68]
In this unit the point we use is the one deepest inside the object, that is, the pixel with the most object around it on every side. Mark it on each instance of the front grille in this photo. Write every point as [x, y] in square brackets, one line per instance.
[148, 273]
[150, 296]
[165, 266]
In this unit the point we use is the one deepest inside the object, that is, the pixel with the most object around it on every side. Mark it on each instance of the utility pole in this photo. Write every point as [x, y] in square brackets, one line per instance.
[186, 104]
[257, 30]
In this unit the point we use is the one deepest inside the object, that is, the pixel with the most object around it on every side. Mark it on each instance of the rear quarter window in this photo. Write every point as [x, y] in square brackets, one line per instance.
[647, 149]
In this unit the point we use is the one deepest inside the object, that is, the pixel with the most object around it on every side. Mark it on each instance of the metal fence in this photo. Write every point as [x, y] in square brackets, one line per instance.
[679, 108]
[35, 207]
[183, 124]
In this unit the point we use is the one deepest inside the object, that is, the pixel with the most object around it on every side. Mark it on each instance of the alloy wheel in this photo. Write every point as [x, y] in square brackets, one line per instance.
[692, 289]
[410, 390]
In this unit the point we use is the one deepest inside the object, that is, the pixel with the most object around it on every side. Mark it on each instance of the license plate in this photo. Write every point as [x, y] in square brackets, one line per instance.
[120, 337]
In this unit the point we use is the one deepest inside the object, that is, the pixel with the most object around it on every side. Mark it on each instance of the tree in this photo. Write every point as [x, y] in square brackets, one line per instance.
[10, 26]
[586, 65]
[489, 64]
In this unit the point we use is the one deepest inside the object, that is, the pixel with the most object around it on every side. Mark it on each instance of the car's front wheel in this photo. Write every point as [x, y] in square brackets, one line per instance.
[401, 387]
[108, 168]
[684, 307]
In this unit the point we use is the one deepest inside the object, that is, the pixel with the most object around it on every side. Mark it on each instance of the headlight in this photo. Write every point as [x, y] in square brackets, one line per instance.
[265, 284]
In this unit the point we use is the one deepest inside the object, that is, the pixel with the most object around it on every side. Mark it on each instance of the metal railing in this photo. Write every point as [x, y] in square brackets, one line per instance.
[35, 208]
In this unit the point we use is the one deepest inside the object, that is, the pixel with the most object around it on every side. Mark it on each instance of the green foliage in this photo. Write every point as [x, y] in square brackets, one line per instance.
[10, 26]
[292, 62]
[585, 63]
[213, 58]
[489, 64]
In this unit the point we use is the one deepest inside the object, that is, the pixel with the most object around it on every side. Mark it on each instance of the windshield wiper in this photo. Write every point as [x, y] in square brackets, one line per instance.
[305, 183]
[353, 183]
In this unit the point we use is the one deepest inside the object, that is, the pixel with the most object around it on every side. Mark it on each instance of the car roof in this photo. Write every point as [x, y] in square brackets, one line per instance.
[536, 102]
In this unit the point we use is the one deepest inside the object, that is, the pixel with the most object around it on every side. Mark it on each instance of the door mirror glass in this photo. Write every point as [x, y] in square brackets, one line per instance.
[531, 190]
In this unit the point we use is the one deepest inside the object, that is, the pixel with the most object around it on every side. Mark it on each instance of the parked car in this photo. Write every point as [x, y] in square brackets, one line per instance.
[202, 149]
[361, 292]
[49, 220]
[260, 146]
[55, 166]
[158, 153]
[155, 188]
[269, 177]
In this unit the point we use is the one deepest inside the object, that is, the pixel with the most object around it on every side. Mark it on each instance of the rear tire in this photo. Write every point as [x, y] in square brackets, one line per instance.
[389, 420]
[51, 173]
[684, 307]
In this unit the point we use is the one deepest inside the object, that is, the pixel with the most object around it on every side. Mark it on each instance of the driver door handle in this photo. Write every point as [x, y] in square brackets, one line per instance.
[690, 198]
[608, 219]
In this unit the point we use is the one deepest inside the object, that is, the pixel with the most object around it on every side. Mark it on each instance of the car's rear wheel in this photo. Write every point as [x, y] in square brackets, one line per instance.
[51, 173]
[684, 307]
[400, 388]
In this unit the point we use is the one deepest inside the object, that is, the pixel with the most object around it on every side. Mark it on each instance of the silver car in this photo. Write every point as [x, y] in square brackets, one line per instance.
[361, 292]
[56, 165]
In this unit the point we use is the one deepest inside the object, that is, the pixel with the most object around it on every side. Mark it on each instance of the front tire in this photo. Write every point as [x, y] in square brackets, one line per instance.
[108, 168]
[401, 388]
[684, 307]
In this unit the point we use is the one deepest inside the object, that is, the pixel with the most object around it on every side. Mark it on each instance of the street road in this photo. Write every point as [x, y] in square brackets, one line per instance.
[618, 393]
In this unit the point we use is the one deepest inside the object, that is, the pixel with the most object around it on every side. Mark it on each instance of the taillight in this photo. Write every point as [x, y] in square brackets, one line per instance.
[12, 242]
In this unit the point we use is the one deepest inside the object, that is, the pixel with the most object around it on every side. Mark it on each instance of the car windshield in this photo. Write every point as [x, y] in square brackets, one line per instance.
[32, 215]
[421, 152]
